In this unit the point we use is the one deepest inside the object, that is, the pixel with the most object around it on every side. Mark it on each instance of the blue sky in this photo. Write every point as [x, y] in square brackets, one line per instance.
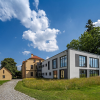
[42, 27]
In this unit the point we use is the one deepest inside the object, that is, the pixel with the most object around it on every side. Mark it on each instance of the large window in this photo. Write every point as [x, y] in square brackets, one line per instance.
[83, 73]
[63, 61]
[54, 63]
[82, 61]
[93, 63]
[94, 73]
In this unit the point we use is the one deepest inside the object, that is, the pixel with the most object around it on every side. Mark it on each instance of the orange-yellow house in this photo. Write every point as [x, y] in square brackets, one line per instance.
[5, 74]
[29, 67]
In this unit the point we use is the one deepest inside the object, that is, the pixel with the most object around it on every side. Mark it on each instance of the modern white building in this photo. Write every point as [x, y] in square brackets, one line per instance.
[71, 64]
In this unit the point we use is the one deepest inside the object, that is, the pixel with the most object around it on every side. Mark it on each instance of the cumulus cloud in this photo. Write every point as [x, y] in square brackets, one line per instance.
[36, 3]
[19, 67]
[26, 52]
[39, 33]
[97, 23]
[47, 58]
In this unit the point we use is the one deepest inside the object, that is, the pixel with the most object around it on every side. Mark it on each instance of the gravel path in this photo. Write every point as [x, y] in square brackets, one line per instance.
[7, 91]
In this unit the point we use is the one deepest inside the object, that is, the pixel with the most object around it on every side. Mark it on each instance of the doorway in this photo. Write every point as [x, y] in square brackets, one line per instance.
[61, 74]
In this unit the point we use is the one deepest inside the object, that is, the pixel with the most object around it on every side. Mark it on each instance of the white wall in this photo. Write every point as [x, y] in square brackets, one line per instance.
[73, 72]
[45, 69]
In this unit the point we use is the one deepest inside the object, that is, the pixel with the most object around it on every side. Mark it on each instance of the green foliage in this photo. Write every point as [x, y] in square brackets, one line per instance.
[88, 41]
[9, 64]
[18, 74]
[90, 93]
[1, 82]
[52, 84]
[89, 25]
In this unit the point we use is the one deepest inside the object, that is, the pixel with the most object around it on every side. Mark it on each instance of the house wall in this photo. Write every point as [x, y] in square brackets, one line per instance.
[8, 76]
[45, 68]
[26, 68]
[73, 71]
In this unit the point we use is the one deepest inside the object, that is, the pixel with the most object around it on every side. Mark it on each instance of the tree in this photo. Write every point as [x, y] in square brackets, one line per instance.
[88, 41]
[9, 64]
[89, 25]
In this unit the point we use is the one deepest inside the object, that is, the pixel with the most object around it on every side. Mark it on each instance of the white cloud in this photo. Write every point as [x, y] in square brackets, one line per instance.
[19, 67]
[26, 52]
[64, 31]
[47, 58]
[39, 33]
[97, 23]
[36, 3]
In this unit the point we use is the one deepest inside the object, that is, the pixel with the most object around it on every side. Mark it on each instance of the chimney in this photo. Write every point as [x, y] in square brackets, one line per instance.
[32, 55]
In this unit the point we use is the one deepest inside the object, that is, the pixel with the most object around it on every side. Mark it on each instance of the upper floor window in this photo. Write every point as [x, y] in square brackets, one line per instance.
[31, 66]
[63, 61]
[54, 63]
[82, 61]
[50, 73]
[34, 61]
[39, 60]
[93, 62]
[3, 71]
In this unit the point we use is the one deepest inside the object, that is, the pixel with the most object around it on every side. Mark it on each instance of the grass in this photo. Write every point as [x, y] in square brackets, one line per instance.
[1, 82]
[74, 89]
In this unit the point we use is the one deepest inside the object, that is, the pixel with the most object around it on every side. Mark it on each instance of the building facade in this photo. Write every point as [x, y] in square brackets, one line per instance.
[5, 74]
[29, 67]
[71, 64]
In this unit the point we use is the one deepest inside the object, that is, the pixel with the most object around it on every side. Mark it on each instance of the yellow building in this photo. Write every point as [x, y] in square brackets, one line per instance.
[29, 67]
[5, 74]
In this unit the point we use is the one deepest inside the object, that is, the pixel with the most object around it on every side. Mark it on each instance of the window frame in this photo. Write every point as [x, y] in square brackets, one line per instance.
[53, 63]
[63, 61]
[93, 63]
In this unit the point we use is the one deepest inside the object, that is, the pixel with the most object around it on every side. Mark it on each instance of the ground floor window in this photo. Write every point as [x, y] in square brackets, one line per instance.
[94, 73]
[55, 74]
[31, 73]
[3, 76]
[83, 73]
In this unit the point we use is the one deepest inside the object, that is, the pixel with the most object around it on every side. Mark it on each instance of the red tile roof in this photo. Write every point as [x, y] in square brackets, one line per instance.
[36, 57]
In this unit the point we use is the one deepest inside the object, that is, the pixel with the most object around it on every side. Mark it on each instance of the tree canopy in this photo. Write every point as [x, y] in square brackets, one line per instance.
[9, 64]
[88, 41]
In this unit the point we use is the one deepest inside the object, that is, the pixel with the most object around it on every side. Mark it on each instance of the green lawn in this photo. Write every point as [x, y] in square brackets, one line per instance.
[1, 82]
[90, 92]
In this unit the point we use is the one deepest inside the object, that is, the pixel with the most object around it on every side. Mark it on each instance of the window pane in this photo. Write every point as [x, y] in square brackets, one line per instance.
[93, 62]
[65, 60]
[79, 60]
[84, 62]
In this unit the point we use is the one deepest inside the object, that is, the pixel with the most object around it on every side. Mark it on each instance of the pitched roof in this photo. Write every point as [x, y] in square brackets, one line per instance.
[36, 57]
[6, 69]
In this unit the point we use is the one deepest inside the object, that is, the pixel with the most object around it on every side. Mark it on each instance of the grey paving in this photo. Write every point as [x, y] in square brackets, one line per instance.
[7, 92]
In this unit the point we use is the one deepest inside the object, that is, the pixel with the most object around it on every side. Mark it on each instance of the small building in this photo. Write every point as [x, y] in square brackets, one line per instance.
[5, 74]
[29, 67]
[71, 63]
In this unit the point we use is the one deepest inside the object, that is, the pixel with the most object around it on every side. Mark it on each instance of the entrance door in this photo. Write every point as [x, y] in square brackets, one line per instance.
[62, 73]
